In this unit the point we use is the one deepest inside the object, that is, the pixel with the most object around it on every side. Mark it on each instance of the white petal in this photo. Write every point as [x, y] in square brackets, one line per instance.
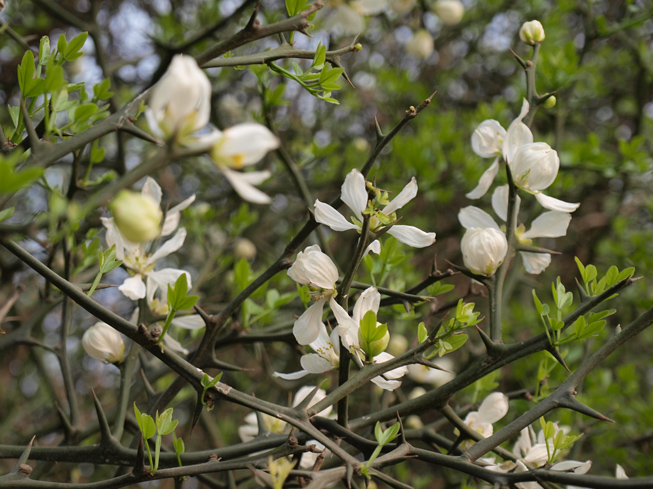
[620, 472]
[194, 321]
[174, 345]
[347, 327]
[369, 300]
[523, 444]
[306, 327]
[133, 287]
[573, 465]
[552, 224]
[412, 236]
[493, 408]
[173, 215]
[114, 237]
[518, 133]
[500, 202]
[160, 279]
[255, 177]
[388, 385]
[471, 217]
[554, 204]
[152, 189]
[485, 181]
[406, 195]
[488, 139]
[537, 454]
[327, 215]
[314, 268]
[170, 246]
[535, 263]
[291, 376]
[315, 364]
[373, 247]
[243, 188]
[395, 373]
[247, 432]
[248, 142]
[354, 193]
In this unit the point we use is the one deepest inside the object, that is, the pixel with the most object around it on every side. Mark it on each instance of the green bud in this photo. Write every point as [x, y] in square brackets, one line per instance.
[137, 216]
[376, 343]
[550, 102]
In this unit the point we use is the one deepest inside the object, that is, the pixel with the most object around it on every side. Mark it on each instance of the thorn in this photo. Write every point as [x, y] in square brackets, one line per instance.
[68, 428]
[208, 319]
[430, 364]
[401, 429]
[581, 292]
[570, 402]
[105, 431]
[379, 132]
[23, 456]
[556, 354]
[519, 59]
[428, 100]
[307, 400]
[196, 413]
[149, 390]
[252, 19]
[139, 464]
[219, 364]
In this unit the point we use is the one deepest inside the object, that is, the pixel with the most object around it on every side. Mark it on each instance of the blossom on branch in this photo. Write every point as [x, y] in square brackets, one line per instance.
[315, 269]
[103, 342]
[355, 196]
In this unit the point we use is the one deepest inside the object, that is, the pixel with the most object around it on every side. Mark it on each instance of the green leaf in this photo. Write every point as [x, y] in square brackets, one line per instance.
[108, 260]
[378, 431]
[538, 303]
[62, 45]
[138, 416]
[83, 112]
[422, 333]
[368, 326]
[6, 214]
[178, 445]
[320, 57]
[157, 453]
[149, 428]
[168, 427]
[456, 341]
[14, 113]
[44, 50]
[242, 274]
[26, 72]
[102, 90]
[73, 48]
[627, 273]
[54, 79]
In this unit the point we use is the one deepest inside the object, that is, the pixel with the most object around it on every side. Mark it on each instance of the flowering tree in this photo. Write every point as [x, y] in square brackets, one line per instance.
[181, 305]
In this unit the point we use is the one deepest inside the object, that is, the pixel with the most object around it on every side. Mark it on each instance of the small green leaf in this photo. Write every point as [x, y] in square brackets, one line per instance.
[6, 214]
[422, 332]
[72, 49]
[44, 50]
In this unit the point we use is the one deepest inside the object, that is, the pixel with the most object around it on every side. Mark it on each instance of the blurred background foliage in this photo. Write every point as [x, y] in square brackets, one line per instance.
[597, 57]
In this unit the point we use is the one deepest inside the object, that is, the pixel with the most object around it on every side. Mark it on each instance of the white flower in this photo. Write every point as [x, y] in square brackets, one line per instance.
[402, 7]
[325, 358]
[348, 328]
[534, 166]
[138, 216]
[181, 102]
[237, 147]
[550, 224]
[354, 195]
[315, 269]
[531, 32]
[484, 250]
[135, 258]
[249, 430]
[493, 408]
[421, 45]
[620, 473]
[103, 342]
[450, 11]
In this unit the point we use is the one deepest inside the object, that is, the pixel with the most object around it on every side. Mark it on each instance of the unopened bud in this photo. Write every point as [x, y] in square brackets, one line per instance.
[421, 45]
[373, 348]
[450, 12]
[137, 216]
[244, 248]
[483, 250]
[414, 422]
[531, 32]
[103, 342]
[358, 46]
[416, 392]
[550, 102]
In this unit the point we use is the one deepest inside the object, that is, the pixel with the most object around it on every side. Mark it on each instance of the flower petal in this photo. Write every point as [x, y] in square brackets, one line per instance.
[327, 215]
[306, 327]
[193, 321]
[406, 195]
[315, 364]
[485, 181]
[471, 217]
[573, 465]
[554, 204]
[248, 142]
[518, 133]
[500, 202]
[170, 246]
[373, 247]
[133, 287]
[354, 194]
[535, 263]
[493, 408]
[243, 187]
[161, 279]
[173, 215]
[551, 224]
[537, 454]
[388, 385]
[412, 236]
[152, 189]
[369, 300]
[488, 139]
[347, 327]
[291, 376]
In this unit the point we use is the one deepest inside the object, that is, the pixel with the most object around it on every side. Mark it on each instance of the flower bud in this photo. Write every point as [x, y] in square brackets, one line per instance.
[531, 32]
[103, 342]
[414, 422]
[450, 11]
[535, 166]
[421, 45]
[550, 102]
[137, 216]
[181, 101]
[416, 392]
[483, 250]
[244, 248]
[375, 347]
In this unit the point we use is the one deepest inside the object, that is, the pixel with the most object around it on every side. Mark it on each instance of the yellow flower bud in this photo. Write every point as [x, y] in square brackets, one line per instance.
[137, 216]
[531, 32]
